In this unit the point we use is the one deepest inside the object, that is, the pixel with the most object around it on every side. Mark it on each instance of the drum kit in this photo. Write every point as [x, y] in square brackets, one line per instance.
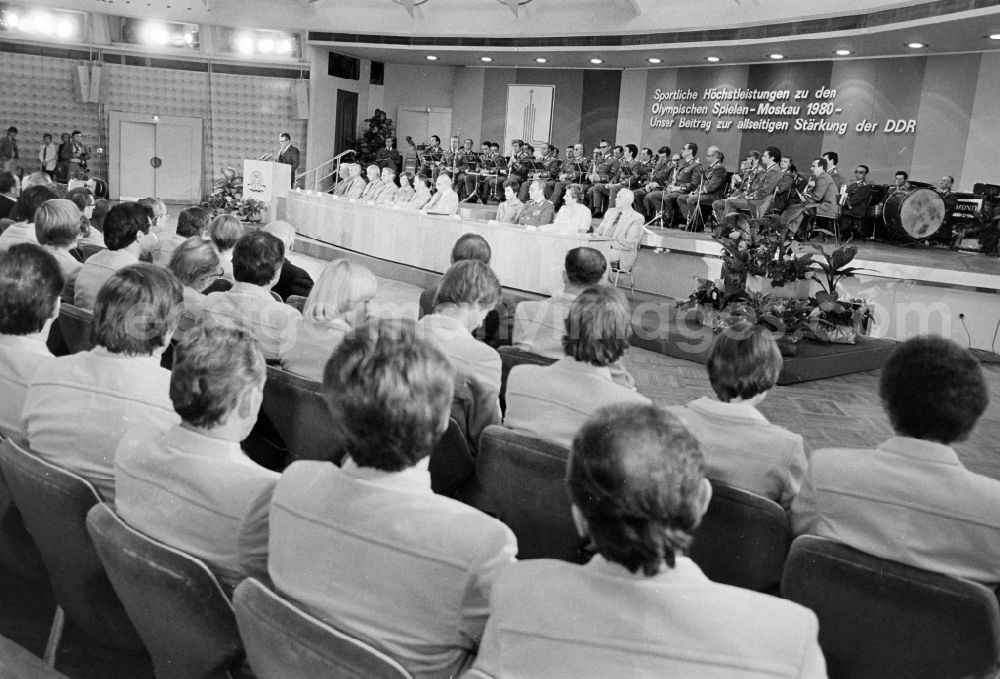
[915, 215]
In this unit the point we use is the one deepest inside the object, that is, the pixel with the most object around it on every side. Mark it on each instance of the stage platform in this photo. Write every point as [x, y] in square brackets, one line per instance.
[913, 290]
[813, 360]
[935, 265]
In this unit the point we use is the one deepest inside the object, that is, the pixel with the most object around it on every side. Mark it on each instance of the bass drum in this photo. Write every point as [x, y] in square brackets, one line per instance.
[914, 214]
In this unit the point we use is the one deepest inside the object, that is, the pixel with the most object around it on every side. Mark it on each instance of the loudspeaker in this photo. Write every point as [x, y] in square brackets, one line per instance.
[81, 82]
[378, 73]
[96, 82]
[301, 100]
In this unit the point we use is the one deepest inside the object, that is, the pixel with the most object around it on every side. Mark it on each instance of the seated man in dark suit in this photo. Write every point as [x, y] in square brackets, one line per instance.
[294, 279]
[910, 499]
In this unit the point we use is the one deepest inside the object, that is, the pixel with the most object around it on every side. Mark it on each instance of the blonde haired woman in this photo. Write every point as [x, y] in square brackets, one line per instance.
[338, 302]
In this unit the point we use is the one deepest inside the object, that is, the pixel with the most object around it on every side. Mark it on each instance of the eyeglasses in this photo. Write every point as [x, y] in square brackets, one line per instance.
[604, 146]
[860, 172]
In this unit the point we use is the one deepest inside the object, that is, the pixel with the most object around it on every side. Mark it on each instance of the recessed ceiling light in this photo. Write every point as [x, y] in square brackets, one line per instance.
[431, 57]
[994, 36]
[916, 45]
[486, 59]
[541, 60]
[842, 53]
[654, 60]
[777, 56]
[597, 61]
[713, 59]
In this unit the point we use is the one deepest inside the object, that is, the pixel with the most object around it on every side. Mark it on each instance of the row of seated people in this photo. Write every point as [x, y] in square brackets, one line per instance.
[383, 187]
[416, 574]
[599, 309]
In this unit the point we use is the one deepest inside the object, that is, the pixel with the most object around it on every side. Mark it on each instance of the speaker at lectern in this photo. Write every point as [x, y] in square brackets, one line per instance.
[266, 181]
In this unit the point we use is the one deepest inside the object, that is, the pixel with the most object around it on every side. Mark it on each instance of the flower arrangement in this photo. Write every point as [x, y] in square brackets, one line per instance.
[763, 249]
[227, 191]
[251, 210]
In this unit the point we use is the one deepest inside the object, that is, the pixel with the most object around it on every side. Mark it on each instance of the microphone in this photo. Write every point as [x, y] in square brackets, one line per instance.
[266, 156]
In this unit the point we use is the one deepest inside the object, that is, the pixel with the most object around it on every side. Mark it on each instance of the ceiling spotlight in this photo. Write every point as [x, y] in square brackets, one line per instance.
[283, 47]
[916, 45]
[486, 59]
[777, 56]
[12, 19]
[64, 29]
[244, 44]
[597, 61]
[654, 60]
[994, 36]
[541, 60]
[842, 53]
[265, 45]
[188, 38]
[431, 57]
[714, 60]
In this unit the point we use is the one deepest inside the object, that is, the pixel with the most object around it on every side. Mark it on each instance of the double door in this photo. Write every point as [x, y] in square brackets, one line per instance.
[157, 156]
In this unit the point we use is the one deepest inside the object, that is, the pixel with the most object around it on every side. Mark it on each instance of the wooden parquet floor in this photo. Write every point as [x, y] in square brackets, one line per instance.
[843, 411]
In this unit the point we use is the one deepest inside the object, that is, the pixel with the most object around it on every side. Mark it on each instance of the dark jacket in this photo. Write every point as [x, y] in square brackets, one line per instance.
[294, 280]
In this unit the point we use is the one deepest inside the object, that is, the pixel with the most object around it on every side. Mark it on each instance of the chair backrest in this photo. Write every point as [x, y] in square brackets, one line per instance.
[742, 540]
[523, 483]
[297, 301]
[18, 552]
[177, 605]
[298, 411]
[75, 324]
[284, 642]
[54, 504]
[19, 663]
[511, 356]
[88, 250]
[452, 463]
[879, 618]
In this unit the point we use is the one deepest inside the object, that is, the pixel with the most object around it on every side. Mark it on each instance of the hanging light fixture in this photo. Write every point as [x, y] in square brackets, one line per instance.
[514, 4]
[409, 5]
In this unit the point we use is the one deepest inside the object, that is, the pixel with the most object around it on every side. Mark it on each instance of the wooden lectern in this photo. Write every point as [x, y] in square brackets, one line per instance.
[267, 181]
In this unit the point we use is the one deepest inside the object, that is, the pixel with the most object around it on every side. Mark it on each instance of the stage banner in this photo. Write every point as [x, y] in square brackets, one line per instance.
[529, 113]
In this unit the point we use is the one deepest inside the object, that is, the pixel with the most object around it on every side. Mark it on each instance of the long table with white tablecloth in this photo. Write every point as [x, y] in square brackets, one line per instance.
[523, 260]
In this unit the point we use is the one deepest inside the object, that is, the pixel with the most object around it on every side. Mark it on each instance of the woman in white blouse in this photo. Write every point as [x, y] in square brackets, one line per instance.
[338, 302]
[574, 216]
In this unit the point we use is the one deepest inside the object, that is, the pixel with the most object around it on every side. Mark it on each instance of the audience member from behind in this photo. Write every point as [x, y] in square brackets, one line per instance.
[79, 406]
[30, 283]
[741, 447]
[413, 569]
[123, 226]
[191, 221]
[191, 486]
[195, 263]
[539, 326]
[638, 491]
[23, 214]
[38, 179]
[57, 228]
[338, 302]
[10, 189]
[468, 291]
[552, 402]
[294, 279]
[225, 231]
[910, 499]
[84, 201]
[257, 260]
